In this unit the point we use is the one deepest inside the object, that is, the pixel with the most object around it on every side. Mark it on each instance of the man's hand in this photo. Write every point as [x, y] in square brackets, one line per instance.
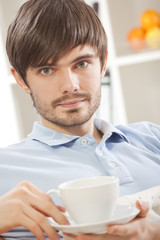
[27, 206]
[138, 229]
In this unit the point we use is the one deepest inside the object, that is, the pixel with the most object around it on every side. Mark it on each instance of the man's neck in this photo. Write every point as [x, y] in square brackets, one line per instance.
[79, 130]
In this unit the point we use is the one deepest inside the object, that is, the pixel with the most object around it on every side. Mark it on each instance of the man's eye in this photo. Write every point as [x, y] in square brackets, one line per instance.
[82, 64]
[46, 71]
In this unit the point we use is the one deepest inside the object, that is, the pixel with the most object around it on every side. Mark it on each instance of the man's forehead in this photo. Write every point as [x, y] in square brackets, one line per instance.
[76, 54]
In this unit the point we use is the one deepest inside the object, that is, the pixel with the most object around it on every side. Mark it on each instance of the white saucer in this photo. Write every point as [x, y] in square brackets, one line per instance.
[123, 214]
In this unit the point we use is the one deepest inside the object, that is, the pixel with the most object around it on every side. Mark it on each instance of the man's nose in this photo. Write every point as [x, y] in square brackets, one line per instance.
[69, 82]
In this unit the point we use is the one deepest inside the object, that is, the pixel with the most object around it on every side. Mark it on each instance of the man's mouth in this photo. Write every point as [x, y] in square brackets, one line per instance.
[71, 103]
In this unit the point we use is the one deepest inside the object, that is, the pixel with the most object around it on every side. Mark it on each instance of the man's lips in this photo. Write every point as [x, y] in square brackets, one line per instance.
[71, 103]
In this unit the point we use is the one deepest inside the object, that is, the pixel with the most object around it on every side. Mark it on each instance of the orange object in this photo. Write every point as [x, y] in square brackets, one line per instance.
[136, 38]
[150, 19]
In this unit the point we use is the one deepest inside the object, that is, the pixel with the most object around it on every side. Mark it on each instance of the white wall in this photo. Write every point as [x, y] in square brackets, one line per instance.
[8, 127]
[11, 119]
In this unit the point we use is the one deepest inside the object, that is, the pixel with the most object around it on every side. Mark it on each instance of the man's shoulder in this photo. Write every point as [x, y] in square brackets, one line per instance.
[139, 126]
[21, 146]
[141, 129]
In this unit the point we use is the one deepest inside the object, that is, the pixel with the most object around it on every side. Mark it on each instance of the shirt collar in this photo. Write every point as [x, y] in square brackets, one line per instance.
[49, 136]
[108, 129]
[53, 138]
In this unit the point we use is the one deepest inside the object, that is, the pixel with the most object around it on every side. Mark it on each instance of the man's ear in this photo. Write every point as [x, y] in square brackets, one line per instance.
[20, 81]
[104, 66]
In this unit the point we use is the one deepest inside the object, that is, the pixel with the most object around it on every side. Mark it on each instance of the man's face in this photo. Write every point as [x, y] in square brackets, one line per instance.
[67, 93]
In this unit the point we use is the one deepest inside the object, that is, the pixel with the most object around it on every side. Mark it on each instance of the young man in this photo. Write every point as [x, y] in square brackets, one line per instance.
[58, 53]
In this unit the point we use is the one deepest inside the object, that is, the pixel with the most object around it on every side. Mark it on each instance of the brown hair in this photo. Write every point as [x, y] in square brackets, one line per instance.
[48, 29]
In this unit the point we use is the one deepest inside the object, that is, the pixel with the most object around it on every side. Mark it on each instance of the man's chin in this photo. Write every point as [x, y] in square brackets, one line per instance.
[70, 121]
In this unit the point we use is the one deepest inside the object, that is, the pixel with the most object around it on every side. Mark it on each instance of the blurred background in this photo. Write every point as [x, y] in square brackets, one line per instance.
[131, 87]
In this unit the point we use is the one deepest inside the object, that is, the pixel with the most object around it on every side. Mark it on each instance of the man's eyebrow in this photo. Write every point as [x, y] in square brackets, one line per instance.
[44, 65]
[86, 56]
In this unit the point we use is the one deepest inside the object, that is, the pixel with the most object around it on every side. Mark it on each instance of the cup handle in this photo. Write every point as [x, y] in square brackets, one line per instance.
[66, 214]
[54, 191]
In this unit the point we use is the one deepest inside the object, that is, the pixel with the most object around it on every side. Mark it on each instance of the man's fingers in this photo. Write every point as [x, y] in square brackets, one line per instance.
[60, 208]
[48, 208]
[41, 201]
[40, 223]
[32, 226]
[143, 207]
[98, 237]
[120, 230]
[126, 229]
[27, 206]
[30, 187]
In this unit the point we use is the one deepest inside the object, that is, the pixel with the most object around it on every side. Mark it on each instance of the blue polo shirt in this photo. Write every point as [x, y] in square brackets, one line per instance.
[47, 158]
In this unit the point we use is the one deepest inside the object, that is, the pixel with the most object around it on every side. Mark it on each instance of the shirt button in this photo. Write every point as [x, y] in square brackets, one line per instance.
[113, 164]
[84, 141]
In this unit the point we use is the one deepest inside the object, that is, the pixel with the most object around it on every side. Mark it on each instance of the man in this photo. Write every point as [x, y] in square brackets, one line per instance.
[58, 53]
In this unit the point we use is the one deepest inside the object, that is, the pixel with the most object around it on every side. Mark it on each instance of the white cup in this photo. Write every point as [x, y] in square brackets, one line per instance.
[89, 200]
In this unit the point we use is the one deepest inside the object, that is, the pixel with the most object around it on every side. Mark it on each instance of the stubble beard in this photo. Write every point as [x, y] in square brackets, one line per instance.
[71, 117]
